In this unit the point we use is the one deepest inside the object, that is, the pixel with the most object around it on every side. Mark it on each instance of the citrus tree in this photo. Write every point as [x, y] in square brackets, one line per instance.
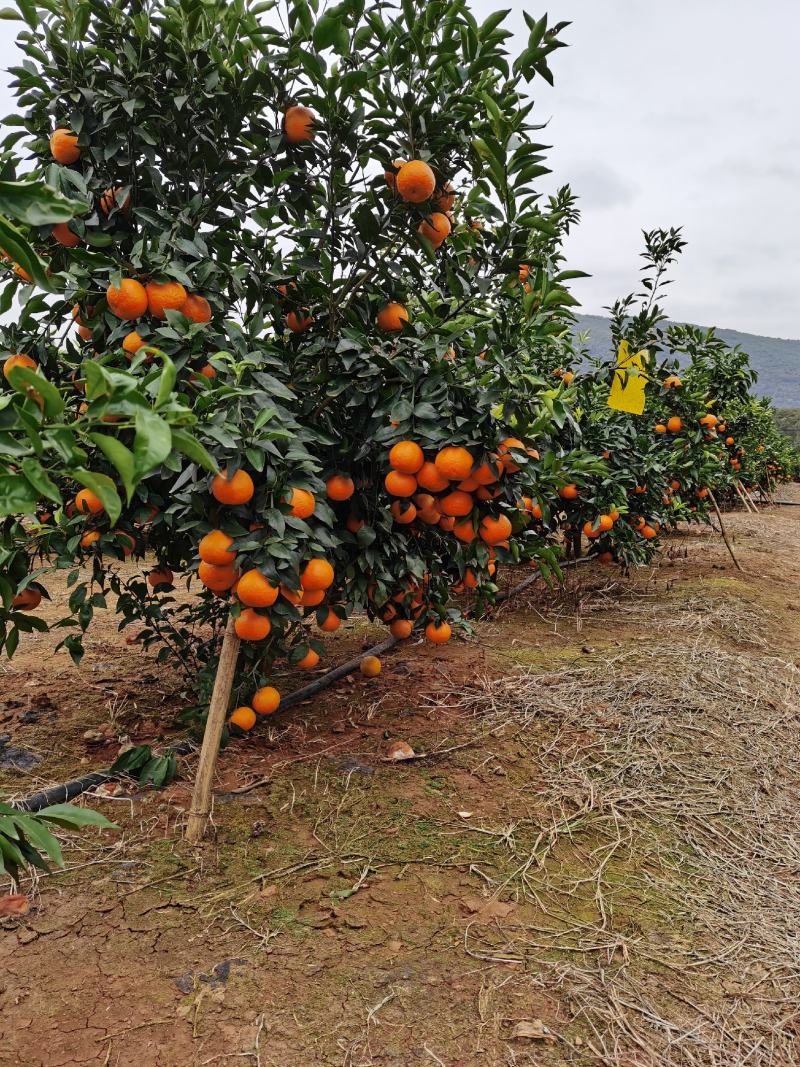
[296, 345]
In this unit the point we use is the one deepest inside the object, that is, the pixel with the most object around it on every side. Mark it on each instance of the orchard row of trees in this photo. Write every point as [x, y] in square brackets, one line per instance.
[306, 338]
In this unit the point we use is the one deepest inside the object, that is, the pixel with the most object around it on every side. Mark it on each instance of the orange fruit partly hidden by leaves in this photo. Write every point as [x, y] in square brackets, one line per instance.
[457, 503]
[311, 598]
[660, 427]
[298, 322]
[292, 595]
[672, 382]
[493, 531]
[266, 700]
[88, 503]
[370, 666]
[400, 484]
[251, 626]
[331, 622]
[127, 542]
[454, 462]
[64, 146]
[256, 591]
[436, 230]
[464, 531]
[709, 421]
[401, 629]
[196, 308]
[244, 718]
[729, 441]
[390, 173]
[568, 378]
[165, 296]
[701, 494]
[406, 457]
[524, 271]
[568, 492]
[430, 477]
[317, 574]
[390, 318]
[438, 632]
[591, 531]
[605, 557]
[674, 424]
[215, 548]
[298, 124]
[648, 532]
[132, 342]
[605, 522]
[301, 503]
[109, 200]
[445, 197]
[311, 659]
[18, 361]
[91, 537]
[448, 524]
[487, 473]
[28, 599]
[415, 181]
[235, 490]
[160, 576]
[216, 578]
[504, 452]
[403, 511]
[340, 487]
[64, 235]
[129, 300]
[354, 523]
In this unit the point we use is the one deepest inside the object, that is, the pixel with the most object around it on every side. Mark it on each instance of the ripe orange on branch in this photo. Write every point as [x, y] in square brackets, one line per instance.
[65, 236]
[218, 579]
[215, 548]
[196, 308]
[415, 181]
[237, 489]
[390, 318]
[454, 463]
[340, 487]
[64, 146]
[251, 626]
[244, 718]
[436, 229]
[398, 484]
[128, 300]
[163, 297]
[406, 457]
[88, 503]
[298, 124]
[20, 360]
[301, 503]
[438, 632]
[317, 574]
[256, 591]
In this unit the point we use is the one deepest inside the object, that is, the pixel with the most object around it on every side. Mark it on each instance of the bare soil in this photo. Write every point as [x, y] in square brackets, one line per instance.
[595, 863]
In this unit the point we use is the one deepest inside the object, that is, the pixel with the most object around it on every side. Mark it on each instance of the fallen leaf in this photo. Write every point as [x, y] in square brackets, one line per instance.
[531, 1028]
[14, 904]
[399, 750]
[464, 814]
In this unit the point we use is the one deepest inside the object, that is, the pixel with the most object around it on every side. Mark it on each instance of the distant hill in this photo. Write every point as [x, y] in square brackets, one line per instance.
[777, 361]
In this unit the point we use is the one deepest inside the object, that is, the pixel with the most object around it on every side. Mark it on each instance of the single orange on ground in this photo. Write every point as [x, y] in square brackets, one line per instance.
[406, 457]
[244, 718]
[340, 487]
[266, 700]
[19, 360]
[251, 626]
[390, 318]
[88, 503]
[436, 229]
[415, 181]
[237, 489]
[215, 548]
[160, 576]
[370, 666]
[298, 124]
[438, 632]
[163, 297]
[401, 629]
[64, 146]
[317, 574]
[400, 484]
[65, 236]
[454, 462]
[311, 659]
[256, 591]
[128, 300]
[301, 503]
[196, 308]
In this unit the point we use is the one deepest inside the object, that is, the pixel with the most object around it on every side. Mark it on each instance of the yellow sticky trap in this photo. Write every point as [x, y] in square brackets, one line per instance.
[630, 380]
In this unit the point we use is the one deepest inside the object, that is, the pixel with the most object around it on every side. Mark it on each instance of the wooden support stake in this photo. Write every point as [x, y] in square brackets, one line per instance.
[749, 496]
[217, 713]
[722, 530]
[745, 505]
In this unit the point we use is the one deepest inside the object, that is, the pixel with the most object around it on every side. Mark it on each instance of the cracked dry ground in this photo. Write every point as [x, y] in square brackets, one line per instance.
[603, 869]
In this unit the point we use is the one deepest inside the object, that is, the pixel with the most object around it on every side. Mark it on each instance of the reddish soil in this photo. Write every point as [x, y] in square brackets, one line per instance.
[349, 911]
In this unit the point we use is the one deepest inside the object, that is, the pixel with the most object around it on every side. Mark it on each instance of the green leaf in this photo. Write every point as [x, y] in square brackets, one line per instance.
[103, 486]
[17, 495]
[36, 204]
[16, 246]
[120, 457]
[166, 382]
[70, 816]
[152, 443]
[28, 9]
[40, 480]
[191, 447]
[24, 379]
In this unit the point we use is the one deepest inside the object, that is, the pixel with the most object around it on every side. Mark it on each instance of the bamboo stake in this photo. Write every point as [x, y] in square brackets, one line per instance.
[749, 496]
[217, 712]
[724, 532]
[740, 494]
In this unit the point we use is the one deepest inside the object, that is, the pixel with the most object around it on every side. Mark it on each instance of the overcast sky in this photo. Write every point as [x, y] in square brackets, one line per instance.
[678, 113]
